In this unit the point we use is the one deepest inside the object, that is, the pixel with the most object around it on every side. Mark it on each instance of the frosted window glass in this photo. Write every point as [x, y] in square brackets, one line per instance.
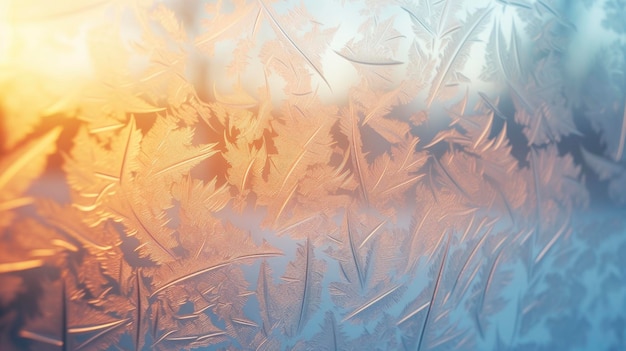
[312, 175]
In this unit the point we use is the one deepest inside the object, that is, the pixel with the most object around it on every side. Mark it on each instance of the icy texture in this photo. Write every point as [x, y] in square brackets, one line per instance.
[316, 175]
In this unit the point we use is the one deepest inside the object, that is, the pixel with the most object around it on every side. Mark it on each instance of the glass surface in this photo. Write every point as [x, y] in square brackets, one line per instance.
[312, 175]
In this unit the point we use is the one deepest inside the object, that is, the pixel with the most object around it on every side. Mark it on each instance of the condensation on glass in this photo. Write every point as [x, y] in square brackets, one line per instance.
[312, 175]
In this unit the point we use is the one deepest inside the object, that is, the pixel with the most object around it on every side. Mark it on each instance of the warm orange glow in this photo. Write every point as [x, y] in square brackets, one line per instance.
[305, 175]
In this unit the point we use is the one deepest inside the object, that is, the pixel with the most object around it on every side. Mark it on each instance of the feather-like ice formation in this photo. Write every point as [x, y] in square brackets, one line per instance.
[278, 175]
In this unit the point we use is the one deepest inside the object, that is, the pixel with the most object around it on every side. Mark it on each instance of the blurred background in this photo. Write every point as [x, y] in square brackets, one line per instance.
[312, 175]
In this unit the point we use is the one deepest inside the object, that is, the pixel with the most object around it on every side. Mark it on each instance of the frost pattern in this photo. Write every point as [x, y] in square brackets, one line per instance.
[264, 175]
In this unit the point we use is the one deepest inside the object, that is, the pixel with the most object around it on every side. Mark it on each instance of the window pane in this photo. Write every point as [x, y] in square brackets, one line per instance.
[312, 175]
